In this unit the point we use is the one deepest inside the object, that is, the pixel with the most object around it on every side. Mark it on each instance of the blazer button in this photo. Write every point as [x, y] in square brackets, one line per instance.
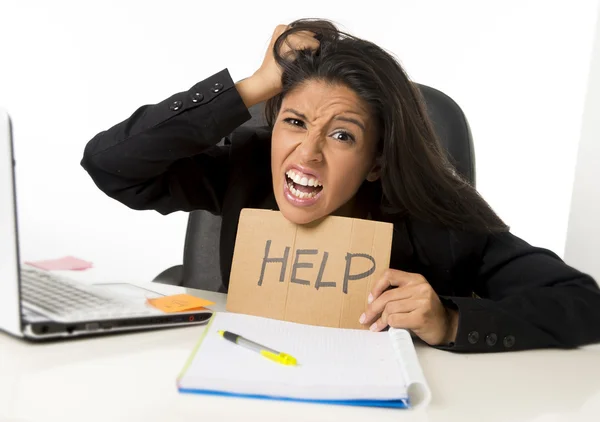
[197, 97]
[217, 87]
[473, 337]
[491, 339]
[509, 341]
[176, 105]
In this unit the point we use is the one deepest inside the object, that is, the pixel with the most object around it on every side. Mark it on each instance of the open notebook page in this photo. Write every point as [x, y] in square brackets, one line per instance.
[333, 364]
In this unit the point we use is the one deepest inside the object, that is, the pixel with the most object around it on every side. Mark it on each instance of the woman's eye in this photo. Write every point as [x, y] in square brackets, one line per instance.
[294, 122]
[343, 136]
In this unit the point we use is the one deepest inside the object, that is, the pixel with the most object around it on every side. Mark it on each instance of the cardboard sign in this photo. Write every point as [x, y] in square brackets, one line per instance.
[318, 274]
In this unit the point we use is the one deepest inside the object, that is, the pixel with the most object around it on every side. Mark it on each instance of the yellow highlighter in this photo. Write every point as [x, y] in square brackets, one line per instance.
[274, 355]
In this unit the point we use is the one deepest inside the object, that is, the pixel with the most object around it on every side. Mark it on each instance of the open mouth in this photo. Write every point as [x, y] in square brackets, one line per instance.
[302, 187]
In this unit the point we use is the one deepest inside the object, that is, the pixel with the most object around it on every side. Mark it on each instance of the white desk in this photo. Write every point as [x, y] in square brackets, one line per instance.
[131, 377]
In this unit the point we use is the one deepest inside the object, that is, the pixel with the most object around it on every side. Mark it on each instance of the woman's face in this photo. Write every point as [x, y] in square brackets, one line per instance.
[323, 148]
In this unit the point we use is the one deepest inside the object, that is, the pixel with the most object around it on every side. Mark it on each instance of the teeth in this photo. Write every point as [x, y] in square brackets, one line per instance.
[299, 194]
[300, 179]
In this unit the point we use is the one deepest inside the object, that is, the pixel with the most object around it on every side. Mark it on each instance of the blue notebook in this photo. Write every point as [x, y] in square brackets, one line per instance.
[334, 365]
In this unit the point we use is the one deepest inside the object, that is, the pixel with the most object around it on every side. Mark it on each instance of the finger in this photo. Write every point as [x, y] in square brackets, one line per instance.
[404, 318]
[305, 34]
[378, 325]
[393, 278]
[296, 44]
[376, 308]
[398, 307]
[302, 40]
[279, 29]
[407, 321]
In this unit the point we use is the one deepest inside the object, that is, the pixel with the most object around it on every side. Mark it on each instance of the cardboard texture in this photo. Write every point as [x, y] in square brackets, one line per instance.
[318, 274]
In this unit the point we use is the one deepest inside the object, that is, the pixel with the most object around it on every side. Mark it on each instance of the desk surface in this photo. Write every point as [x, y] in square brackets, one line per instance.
[131, 377]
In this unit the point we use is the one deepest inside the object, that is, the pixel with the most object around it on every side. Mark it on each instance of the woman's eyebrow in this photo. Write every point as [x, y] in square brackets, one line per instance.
[342, 118]
[297, 113]
[351, 120]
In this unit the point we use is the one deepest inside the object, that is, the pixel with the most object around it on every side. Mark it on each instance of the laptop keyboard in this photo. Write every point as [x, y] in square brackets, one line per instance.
[64, 300]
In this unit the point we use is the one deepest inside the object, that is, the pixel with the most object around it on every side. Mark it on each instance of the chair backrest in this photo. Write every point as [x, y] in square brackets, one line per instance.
[201, 267]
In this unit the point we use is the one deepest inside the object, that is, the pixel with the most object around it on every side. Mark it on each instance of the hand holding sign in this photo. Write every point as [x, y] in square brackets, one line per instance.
[412, 304]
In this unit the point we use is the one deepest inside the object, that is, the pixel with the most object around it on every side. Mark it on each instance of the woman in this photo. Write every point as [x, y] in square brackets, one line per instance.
[348, 135]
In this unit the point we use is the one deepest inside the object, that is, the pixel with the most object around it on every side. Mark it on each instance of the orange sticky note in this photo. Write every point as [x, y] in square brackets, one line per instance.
[179, 303]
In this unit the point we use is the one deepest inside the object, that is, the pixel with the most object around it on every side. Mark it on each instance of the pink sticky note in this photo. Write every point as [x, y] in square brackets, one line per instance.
[66, 263]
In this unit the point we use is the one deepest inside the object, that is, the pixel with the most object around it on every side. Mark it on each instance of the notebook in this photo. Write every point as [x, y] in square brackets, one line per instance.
[334, 365]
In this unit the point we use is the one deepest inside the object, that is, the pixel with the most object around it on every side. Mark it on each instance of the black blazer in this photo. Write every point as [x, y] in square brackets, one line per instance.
[164, 157]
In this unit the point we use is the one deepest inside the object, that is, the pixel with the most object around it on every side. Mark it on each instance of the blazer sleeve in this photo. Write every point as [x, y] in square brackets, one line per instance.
[165, 157]
[528, 298]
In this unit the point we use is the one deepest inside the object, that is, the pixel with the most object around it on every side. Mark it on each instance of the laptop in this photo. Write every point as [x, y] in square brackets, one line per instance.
[37, 304]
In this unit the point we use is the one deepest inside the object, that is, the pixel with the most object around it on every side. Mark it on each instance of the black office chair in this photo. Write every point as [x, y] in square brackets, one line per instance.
[201, 268]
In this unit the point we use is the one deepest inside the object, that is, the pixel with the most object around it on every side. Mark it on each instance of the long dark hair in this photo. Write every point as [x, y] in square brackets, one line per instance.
[417, 178]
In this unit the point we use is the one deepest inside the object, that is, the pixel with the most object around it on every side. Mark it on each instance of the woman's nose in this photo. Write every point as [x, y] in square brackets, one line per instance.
[311, 148]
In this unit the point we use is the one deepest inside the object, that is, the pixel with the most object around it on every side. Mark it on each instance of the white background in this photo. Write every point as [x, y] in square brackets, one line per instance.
[518, 69]
[582, 247]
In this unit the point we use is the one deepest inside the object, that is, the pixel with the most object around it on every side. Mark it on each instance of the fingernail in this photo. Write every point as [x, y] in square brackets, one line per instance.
[373, 327]
[362, 318]
[370, 299]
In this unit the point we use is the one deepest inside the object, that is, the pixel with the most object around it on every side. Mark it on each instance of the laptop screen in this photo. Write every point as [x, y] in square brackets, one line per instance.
[10, 310]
